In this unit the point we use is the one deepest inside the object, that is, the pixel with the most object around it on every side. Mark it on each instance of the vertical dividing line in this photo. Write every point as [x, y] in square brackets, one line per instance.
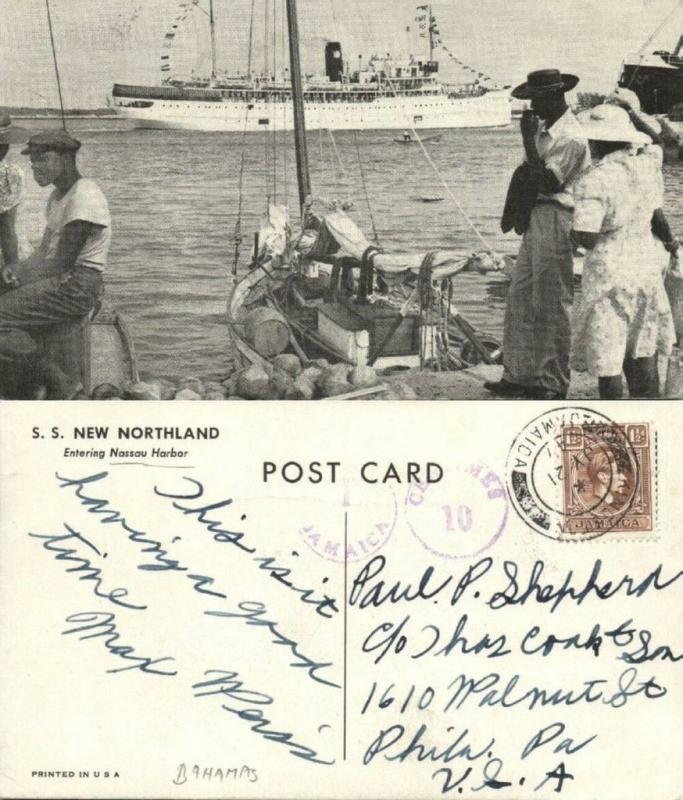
[346, 627]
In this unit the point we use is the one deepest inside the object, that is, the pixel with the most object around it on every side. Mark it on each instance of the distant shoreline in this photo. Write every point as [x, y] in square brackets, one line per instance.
[24, 112]
[66, 116]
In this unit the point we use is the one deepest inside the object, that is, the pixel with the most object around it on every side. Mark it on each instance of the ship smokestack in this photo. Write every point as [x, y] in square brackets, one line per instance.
[334, 64]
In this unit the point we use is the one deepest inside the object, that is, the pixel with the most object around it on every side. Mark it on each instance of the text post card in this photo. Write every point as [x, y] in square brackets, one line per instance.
[406, 600]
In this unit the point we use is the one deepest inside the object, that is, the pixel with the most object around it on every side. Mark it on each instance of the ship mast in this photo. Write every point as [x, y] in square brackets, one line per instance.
[212, 28]
[302, 173]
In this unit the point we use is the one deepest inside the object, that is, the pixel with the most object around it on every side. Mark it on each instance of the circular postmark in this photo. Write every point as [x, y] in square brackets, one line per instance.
[460, 517]
[572, 474]
[370, 518]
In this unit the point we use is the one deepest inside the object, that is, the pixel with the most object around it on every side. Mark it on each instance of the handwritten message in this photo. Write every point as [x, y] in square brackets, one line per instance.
[473, 674]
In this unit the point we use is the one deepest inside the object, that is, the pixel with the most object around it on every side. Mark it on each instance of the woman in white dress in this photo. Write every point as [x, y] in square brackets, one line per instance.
[623, 320]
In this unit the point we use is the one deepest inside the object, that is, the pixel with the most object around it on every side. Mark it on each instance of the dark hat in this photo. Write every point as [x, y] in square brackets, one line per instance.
[11, 134]
[543, 82]
[59, 141]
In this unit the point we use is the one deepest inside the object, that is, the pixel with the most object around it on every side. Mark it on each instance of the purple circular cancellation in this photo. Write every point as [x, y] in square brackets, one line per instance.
[460, 517]
[370, 514]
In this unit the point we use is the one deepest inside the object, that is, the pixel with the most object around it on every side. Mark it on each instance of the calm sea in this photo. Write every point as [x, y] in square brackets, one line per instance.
[174, 198]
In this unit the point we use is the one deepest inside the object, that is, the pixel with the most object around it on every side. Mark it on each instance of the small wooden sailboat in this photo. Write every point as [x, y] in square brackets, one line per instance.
[328, 296]
[424, 139]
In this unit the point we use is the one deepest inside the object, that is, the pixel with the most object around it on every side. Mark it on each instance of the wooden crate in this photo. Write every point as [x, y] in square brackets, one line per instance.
[378, 319]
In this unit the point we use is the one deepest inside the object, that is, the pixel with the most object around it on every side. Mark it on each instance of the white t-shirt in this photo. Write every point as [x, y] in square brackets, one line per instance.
[85, 202]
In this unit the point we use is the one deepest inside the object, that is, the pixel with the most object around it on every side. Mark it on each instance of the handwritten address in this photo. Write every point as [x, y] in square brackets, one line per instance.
[399, 615]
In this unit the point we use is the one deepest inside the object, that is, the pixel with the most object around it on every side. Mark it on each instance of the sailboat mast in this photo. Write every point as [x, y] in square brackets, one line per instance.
[302, 174]
[212, 28]
[56, 65]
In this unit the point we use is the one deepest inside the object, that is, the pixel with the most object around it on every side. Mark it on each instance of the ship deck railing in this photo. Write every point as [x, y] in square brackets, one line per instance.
[274, 93]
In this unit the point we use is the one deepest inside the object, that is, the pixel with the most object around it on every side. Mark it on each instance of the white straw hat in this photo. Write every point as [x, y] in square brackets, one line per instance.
[610, 123]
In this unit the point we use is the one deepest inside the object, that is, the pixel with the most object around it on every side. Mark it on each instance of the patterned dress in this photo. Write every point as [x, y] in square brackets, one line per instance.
[624, 310]
[11, 191]
[11, 186]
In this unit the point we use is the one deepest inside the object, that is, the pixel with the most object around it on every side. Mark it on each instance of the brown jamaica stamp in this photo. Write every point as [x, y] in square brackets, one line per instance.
[573, 474]
[607, 478]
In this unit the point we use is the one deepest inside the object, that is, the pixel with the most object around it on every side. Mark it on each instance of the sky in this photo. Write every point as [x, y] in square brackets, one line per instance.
[99, 42]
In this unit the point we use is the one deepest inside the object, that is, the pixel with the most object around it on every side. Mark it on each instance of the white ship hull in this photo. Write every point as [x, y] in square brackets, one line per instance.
[488, 110]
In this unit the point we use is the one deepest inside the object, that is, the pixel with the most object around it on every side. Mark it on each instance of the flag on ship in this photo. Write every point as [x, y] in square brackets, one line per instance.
[422, 19]
[426, 24]
[185, 8]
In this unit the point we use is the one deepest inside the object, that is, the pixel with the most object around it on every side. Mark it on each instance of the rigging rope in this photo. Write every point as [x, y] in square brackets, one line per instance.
[266, 171]
[251, 37]
[342, 168]
[285, 106]
[447, 188]
[237, 237]
[328, 164]
[56, 64]
[273, 108]
[365, 189]
[266, 39]
[678, 5]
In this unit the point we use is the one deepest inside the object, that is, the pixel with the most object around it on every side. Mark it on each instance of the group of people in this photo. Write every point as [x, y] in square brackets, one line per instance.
[62, 280]
[590, 181]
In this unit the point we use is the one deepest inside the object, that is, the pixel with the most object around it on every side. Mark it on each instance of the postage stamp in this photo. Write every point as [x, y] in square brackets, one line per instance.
[575, 474]
[607, 478]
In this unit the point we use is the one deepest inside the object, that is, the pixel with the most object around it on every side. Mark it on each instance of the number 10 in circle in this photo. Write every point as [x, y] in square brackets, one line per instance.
[458, 519]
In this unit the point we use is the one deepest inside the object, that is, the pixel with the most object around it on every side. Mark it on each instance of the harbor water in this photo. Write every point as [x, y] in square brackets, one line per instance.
[174, 198]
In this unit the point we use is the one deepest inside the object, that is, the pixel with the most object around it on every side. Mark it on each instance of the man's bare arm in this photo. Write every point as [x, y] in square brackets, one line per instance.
[662, 230]
[73, 238]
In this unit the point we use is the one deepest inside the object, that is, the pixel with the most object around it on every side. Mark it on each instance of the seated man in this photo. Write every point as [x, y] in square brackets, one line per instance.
[67, 283]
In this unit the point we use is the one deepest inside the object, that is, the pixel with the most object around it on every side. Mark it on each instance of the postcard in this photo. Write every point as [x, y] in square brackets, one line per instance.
[303, 604]
[210, 210]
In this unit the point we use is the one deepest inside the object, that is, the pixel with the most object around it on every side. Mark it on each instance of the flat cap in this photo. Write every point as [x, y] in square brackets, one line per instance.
[60, 141]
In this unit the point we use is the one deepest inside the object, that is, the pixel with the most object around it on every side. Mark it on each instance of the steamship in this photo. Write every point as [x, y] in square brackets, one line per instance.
[656, 78]
[382, 93]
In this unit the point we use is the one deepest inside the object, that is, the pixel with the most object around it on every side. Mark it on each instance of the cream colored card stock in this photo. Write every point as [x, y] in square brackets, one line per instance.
[340, 601]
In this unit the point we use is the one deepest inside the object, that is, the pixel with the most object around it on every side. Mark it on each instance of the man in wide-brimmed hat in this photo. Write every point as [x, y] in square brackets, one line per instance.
[537, 335]
[11, 189]
[73, 257]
